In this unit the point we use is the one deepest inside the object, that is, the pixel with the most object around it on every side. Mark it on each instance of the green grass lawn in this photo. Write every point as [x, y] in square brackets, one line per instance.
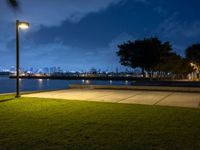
[33, 123]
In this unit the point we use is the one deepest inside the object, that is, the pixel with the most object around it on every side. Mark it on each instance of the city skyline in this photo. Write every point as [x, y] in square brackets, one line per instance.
[79, 36]
[57, 69]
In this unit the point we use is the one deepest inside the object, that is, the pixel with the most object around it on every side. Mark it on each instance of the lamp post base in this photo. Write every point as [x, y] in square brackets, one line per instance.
[17, 96]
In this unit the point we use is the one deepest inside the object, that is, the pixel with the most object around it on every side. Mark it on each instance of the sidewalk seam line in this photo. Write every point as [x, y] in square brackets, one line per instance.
[129, 97]
[163, 98]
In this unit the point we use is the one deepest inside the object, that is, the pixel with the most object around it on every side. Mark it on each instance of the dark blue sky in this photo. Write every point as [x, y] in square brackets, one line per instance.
[78, 35]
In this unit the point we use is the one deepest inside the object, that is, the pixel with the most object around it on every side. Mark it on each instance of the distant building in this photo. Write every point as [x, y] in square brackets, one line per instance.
[46, 70]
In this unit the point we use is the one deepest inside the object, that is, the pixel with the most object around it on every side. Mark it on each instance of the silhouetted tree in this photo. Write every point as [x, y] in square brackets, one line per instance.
[193, 54]
[178, 67]
[173, 66]
[185, 67]
[13, 3]
[146, 54]
[168, 64]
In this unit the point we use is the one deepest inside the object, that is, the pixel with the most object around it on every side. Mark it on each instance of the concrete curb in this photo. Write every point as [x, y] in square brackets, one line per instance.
[144, 88]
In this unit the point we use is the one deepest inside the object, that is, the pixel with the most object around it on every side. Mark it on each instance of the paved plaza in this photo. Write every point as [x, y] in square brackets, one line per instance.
[125, 96]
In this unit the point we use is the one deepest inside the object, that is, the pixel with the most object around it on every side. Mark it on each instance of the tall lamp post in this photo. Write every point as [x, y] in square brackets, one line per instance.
[19, 25]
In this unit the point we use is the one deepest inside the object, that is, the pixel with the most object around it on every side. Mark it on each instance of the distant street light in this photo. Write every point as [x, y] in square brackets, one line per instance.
[195, 66]
[19, 25]
[196, 70]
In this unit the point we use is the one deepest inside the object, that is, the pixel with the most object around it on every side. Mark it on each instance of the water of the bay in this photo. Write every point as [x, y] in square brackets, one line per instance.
[8, 85]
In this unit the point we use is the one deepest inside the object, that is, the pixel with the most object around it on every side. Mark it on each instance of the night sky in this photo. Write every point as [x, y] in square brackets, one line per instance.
[80, 34]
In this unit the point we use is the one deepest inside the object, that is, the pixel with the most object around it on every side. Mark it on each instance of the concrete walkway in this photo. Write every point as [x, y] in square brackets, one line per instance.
[125, 96]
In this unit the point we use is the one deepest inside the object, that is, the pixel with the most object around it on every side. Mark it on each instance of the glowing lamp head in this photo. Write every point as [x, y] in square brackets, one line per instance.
[23, 25]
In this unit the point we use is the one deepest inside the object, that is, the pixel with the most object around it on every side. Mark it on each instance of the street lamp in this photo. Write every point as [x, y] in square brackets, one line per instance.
[19, 25]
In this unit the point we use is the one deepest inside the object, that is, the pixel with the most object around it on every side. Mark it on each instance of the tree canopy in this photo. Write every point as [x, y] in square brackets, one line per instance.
[146, 53]
[153, 56]
[13, 3]
[193, 54]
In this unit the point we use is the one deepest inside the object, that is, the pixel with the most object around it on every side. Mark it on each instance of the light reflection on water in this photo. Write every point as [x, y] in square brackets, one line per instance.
[8, 85]
[40, 83]
[111, 81]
